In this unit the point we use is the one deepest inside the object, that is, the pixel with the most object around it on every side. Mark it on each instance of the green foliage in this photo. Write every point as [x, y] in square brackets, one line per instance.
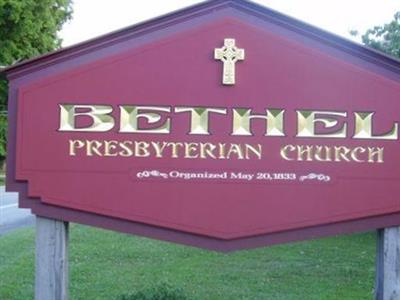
[385, 38]
[3, 135]
[28, 28]
[159, 292]
[3, 91]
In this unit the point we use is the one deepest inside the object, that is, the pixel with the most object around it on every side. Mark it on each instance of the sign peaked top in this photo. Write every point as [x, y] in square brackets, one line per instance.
[211, 8]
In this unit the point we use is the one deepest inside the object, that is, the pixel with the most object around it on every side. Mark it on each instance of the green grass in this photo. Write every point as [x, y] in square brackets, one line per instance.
[104, 265]
[2, 179]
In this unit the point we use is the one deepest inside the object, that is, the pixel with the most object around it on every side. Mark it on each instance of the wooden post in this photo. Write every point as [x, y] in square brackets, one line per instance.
[51, 280]
[387, 281]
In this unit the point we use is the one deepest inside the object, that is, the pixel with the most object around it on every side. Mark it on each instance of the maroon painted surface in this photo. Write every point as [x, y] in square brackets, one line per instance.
[284, 68]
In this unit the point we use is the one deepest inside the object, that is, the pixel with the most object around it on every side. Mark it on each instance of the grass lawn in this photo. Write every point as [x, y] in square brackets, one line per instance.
[104, 265]
[2, 179]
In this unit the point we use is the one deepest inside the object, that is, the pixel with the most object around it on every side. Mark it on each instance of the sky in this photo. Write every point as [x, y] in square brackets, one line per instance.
[92, 18]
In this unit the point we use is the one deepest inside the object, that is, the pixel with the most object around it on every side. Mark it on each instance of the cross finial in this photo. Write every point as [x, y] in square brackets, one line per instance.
[229, 54]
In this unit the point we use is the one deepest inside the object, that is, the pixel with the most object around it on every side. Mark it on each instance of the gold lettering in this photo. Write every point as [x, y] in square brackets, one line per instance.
[242, 118]
[175, 149]
[159, 149]
[200, 118]
[190, 149]
[355, 152]
[207, 150]
[363, 128]
[222, 148]
[375, 154]
[256, 150]
[307, 150]
[307, 119]
[74, 145]
[235, 149]
[332, 154]
[341, 153]
[99, 114]
[142, 149]
[126, 150]
[92, 148]
[110, 146]
[323, 154]
[285, 150]
[130, 116]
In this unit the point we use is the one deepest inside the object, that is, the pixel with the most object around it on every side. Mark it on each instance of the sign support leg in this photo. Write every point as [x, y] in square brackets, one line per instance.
[387, 281]
[51, 278]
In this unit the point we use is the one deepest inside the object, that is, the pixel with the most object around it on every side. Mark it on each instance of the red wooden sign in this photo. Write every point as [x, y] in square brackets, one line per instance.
[224, 126]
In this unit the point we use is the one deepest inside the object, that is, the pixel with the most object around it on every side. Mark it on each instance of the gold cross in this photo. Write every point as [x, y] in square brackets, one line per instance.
[229, 55]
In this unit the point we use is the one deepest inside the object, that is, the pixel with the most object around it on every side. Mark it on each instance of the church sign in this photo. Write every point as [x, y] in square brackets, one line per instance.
[223, 126]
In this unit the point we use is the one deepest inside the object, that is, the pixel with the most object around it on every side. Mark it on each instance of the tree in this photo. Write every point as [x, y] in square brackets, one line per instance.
[28, 28]
[385, 38]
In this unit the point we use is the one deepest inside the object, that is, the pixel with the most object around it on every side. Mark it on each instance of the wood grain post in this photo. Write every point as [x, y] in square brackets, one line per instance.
[387, 281]
[51, 280]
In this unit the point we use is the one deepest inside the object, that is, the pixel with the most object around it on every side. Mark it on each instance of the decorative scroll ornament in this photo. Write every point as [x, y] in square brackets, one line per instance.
[229, 55]
[313, 176]
[153, 173]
